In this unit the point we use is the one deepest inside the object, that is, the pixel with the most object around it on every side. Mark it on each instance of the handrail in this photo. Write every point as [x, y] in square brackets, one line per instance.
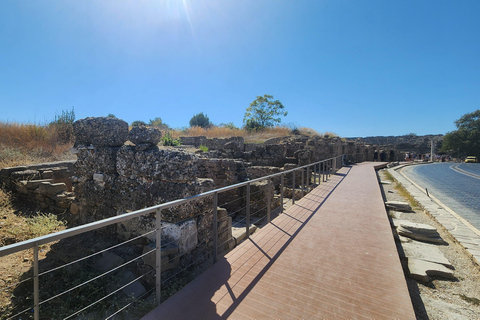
[325, 168]
[28, 244]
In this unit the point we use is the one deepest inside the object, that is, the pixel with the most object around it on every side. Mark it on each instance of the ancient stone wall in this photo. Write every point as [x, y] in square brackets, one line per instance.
[46, 186]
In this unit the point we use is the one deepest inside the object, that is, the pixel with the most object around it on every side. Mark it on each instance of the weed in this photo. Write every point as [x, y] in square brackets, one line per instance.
[203, 148]
[405, 194]
[169, 141]
[389, 176]
[474, 301]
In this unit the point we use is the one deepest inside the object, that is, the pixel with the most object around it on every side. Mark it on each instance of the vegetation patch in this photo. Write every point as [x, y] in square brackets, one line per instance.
[474, 301]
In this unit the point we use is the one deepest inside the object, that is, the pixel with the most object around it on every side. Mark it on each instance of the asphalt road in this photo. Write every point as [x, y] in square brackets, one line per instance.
[457, 185]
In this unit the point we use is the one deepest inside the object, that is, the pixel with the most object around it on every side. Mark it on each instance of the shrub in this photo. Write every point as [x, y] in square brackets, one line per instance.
[200, 120]
[63, 126]
[203, 148]
[169, 141]
[138, 123]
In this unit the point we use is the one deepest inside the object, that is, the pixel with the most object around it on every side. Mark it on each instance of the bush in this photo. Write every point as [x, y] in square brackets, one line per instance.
[203, 148]
[252, 125]
[169, 141]
[138, 123]
[200, 120]
[157, 122]
[63, 126]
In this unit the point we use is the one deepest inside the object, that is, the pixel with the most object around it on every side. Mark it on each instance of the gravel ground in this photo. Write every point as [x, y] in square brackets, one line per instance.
[441, 298]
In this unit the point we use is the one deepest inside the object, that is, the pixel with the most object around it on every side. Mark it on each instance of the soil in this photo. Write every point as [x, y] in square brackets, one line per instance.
[440, 298]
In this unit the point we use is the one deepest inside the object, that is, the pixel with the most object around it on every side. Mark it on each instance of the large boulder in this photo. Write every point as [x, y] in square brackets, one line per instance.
[100, 132]
[144, 137]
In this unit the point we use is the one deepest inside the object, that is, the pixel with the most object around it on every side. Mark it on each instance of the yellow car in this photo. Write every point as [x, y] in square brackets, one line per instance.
[471, 159]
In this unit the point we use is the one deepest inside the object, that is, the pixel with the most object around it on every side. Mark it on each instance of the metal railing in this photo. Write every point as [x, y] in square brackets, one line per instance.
[310, 176]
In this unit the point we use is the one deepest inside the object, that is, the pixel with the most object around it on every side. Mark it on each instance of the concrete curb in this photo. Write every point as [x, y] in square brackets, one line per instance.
[460, 229]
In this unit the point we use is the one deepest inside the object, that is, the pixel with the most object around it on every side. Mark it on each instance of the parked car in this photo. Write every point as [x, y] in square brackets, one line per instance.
[471, 159]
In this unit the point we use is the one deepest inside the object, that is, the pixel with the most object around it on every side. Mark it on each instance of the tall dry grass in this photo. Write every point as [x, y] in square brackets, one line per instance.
[22, 144]
[224, 132]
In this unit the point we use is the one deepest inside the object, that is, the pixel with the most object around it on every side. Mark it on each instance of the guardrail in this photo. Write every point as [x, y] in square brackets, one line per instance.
[301, 180]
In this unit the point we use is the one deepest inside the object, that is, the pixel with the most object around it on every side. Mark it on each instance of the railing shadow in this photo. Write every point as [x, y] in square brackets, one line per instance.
[273, 259]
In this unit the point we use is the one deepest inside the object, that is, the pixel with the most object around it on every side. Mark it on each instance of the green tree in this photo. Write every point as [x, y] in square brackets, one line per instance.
[200, 120]
[157, 122]
[466, 139]
[111, 115]
[263, 112]
[138, 123]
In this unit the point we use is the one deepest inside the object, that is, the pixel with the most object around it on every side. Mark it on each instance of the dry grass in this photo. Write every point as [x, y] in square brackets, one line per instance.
[250, 137]
[22, 144]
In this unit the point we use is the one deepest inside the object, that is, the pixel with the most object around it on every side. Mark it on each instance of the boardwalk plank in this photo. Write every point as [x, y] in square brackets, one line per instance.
[331, 255]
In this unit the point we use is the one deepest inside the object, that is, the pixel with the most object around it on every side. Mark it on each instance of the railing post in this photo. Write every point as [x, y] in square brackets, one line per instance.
[281, 193]
[247, 219]
[308, 178]
[323, 171]
[303, 182]
[36, 286]
[293, 188]
[269, 199]
[215, 226]
[158, 256]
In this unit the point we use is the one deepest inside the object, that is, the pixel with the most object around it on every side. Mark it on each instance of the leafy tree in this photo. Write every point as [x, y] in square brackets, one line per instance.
[138, 123]
[111, 115]
[263, 112]
[200, 120]
[157, 122]
[466, 139]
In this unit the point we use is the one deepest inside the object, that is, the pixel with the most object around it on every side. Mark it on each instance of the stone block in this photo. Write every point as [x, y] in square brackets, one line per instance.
[100, 132]
[143, 136]
[51, 189]
[184, 235]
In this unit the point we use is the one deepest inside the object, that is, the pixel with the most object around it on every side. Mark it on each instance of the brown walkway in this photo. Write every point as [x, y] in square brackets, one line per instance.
[331, 256]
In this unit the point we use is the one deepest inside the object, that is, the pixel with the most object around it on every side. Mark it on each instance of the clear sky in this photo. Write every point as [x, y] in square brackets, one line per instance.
[356, 68]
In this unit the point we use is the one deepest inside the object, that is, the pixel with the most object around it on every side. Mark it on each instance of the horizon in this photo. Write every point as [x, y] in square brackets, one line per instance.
[356, 69]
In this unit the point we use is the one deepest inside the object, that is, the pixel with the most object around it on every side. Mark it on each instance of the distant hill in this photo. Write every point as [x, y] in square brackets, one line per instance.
[405, 143]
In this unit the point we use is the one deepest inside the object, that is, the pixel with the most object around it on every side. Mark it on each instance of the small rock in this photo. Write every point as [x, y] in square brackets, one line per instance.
[398, 205]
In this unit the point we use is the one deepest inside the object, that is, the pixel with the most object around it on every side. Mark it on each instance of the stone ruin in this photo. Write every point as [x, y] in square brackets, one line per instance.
[120, 171]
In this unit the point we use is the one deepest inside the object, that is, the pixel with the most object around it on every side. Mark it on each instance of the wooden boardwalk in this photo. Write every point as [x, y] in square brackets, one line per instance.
[330, 256]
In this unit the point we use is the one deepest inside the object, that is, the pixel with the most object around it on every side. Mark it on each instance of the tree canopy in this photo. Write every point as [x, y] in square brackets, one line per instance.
[200, 120]
[157, 122]
[263, 112]
[138, 123]
[466, 139]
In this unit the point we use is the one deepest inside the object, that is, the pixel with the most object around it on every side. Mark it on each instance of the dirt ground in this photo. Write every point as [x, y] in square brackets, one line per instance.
[440, 298]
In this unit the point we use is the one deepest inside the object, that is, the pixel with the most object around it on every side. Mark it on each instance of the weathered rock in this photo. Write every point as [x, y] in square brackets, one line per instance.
[51, 189]
[422, 270]
[169, 256]
[109, 261]
[418, 231]
[143, 136]
[183, 235]
[426, 252]
[134, 288]
[100, 132]
[398, 205]
[159, 164]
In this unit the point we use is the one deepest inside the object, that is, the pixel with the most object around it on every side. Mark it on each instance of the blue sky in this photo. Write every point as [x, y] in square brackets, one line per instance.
[356, 68]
